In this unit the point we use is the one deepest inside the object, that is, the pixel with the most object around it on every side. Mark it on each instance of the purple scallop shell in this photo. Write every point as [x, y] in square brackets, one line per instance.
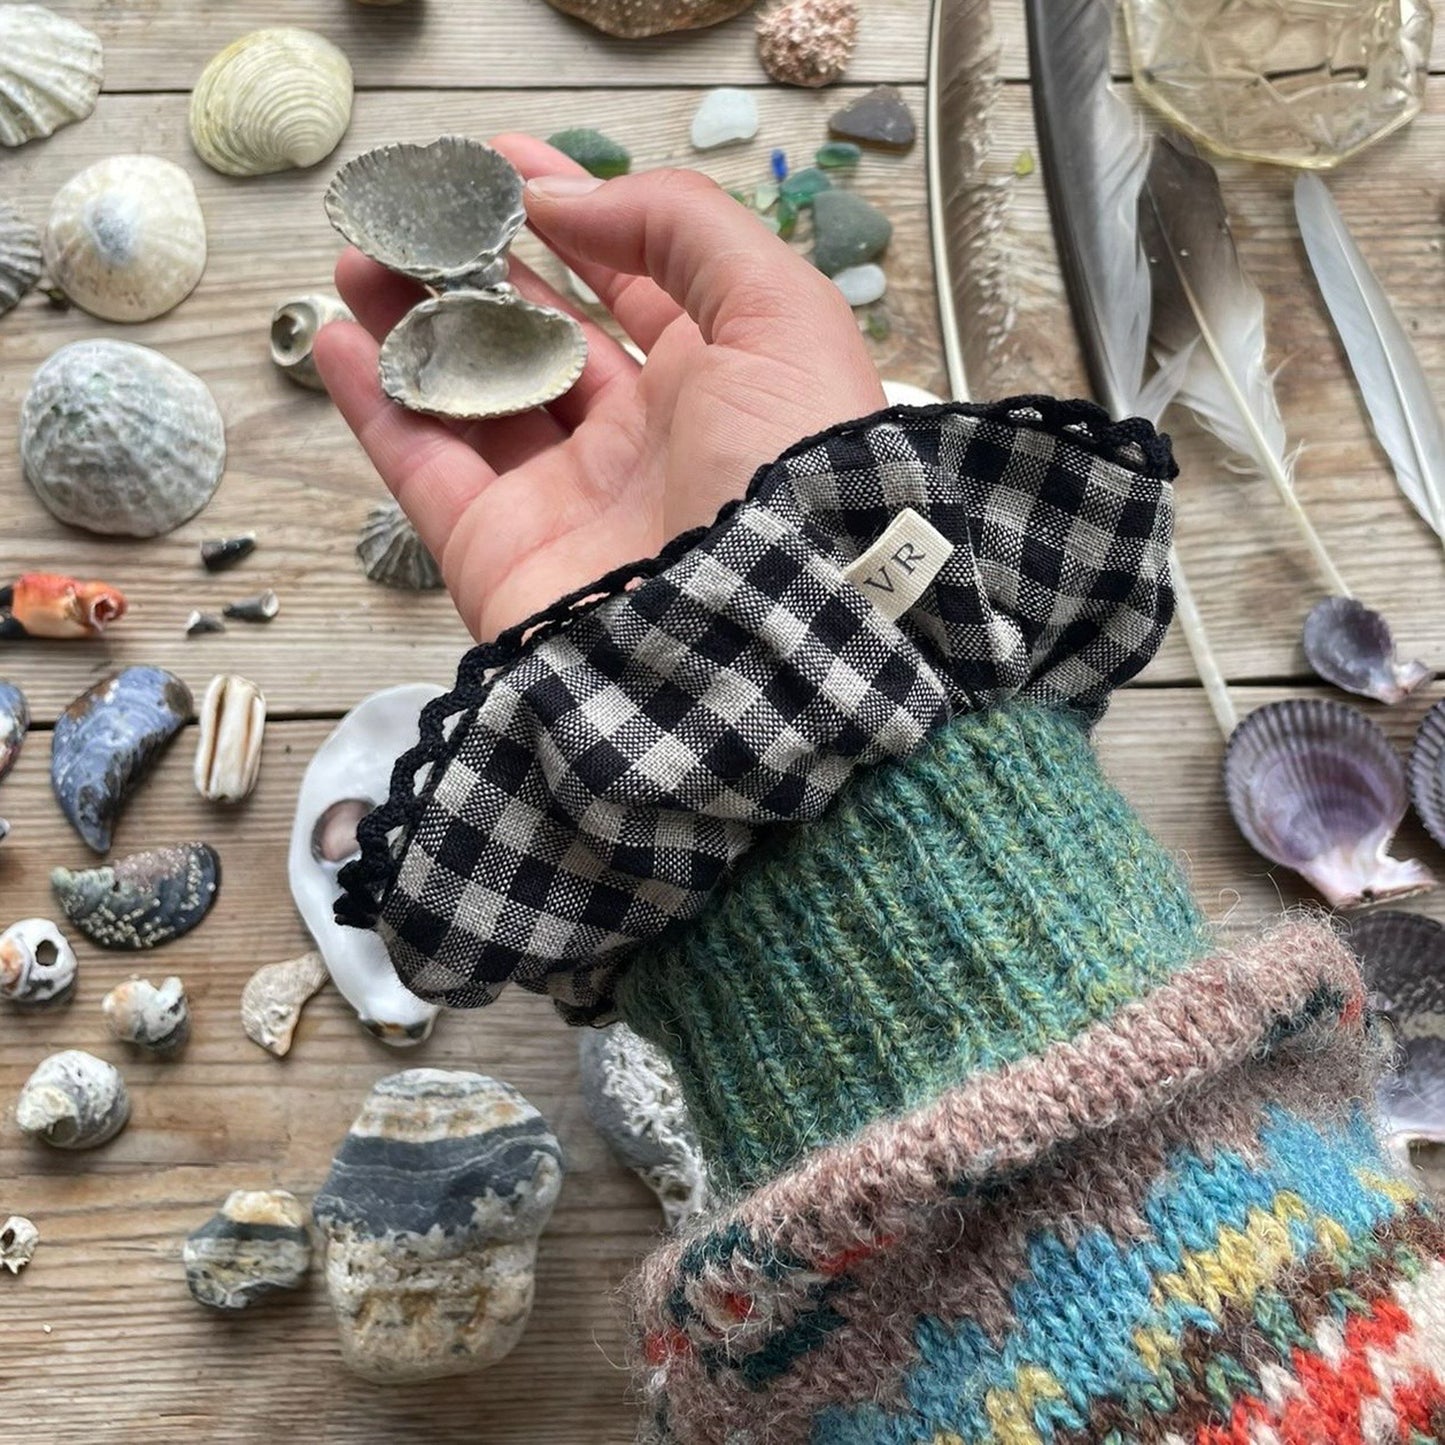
[1313, 784]
[1351, 646]
[1427, 772]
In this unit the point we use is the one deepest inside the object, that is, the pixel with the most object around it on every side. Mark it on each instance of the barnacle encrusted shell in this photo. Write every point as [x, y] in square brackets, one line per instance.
[1351, 646]
[431, 1214]
[14, 724]
[350, 775]
[271, 101]
[142, 901]
[1315, 785]
[20, 257]
[107, 740]
[442, 213]
[1427, 772]
[18, 1238]
[274, 996]
[392, 552]
[73, 1100]
[256, 1244]
[294, 325]
[228, 748]
[634, 1101]
[126, 239]
[119, 440]
[472, 354]
[633, 19]
[37, 964]
[807, 42]
[156, 1019]
[50, 72]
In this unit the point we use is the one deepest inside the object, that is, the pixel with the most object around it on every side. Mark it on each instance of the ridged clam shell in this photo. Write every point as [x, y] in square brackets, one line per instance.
[156, 1019]
[431, 1213]
[20, 257]
[37, 964]
[1427, 772]
[273, 100]
[1351, 646]
[228, 749]
[393, 554]
[50, 72]
[256, 1244]
[442, 213]
[1316, 786]
[118, 439]
[274, 996]
[142, 901]
[14, 723]
[73, 1100]
[294, 325]
[126, 240]
[107, 740]
[472, 354]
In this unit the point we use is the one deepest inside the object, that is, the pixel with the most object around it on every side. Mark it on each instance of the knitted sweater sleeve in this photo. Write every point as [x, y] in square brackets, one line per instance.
[1010, 1148]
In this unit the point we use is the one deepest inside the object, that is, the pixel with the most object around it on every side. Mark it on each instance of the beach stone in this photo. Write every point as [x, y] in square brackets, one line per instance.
[880, 118]
[593, 151]
[253, 1246]
[862, 285]
[725, 115]
[847, 231]
[633, 19]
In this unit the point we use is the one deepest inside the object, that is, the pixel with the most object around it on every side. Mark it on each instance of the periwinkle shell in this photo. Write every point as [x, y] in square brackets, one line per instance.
[73, 1100]
[1351, 646]
[20, 259]
[156, 1019]
[119, 440]
[1314, 785]
[107, 740]
[18, 1239]
[1427, 772]
[50, 72]
[431, 1214]
[14, 724]
[294, 327]
[37, 965]
[142, 901]
[255, 1245]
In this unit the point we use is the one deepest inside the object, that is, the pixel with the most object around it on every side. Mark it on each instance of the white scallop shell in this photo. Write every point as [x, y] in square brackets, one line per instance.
[294, 325]
[126, 239]
[273, 100]
[50, 72]
[118, 439]
[19, 257]
[481, 354]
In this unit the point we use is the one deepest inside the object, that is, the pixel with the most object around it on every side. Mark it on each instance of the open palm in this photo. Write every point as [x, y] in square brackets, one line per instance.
[748, 349]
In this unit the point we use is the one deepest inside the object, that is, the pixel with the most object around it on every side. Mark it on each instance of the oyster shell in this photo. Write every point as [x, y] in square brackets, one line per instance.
[274, 996]
[256, 1244]
[393, 554]
[273, 100]
[350, 775]
[20, 258]
[14, 723]
[294, 325]
[228, 752]
[37, 964]
[633, 19]
[18, 1238]
[431, 1213]
[50, 72]
[73, 1100]
[1427, 772]
[472, 354]
[1316, 786]
[157, 1020]
[118, 439]
[126, 240]
[107, 740]
[1351, 646]
[142, 901]
[443, 213]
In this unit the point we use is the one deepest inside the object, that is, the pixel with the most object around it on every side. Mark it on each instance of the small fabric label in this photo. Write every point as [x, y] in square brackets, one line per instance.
[896, 570]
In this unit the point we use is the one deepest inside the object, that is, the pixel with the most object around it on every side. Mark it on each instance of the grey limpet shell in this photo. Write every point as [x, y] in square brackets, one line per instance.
[255, 1245]
[431, 1214]
[20, 259]
[142, 901]
[392, 553]
[118, 439]
[73, 1100]
[50, 72]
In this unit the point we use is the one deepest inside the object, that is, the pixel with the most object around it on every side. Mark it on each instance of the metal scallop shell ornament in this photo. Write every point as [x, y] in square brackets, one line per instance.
[20, 257]
[1314, 785]
[50, 72]
[445, 214]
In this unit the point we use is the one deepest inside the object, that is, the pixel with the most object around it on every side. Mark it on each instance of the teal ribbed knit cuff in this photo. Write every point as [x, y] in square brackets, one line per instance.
[968, 906]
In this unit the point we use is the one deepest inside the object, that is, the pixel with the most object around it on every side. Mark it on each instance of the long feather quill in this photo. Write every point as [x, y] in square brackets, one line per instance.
[1095, 158]
[1396, 393]
[1203, 295]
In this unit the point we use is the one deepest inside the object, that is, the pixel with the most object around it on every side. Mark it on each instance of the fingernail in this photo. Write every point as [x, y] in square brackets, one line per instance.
[562, 188]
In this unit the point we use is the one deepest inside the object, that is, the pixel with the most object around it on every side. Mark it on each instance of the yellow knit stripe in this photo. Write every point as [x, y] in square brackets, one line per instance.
[1010, 1412]
[1397, 1191]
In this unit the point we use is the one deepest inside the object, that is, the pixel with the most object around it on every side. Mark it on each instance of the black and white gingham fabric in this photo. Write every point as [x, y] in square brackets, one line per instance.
[594, 775]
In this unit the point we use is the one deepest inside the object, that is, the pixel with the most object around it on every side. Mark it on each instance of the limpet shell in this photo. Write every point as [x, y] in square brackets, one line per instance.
[1313, 784]
[472, 354]
[156, 1019]
[20, 257]
[73, 1100]
[1351, 646]
[255, 1245]
[142, 901]
[1427, 772]
[273, 100]
[37, 965]
[294, 325]
[119, 440]
[393, 554]
[126, 240]
[50, 72]
[232, 729]
[274, 996]
[18, 1238]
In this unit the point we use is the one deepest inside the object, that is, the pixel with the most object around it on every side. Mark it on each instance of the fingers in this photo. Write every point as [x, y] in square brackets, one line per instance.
[378, 298]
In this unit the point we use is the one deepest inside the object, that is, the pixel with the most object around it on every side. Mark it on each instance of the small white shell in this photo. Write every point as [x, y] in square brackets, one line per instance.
[393, 554]
[274, 996]
[157, 1020]
[37, 964]
[126, 240]
[50, 72]
[294, 325]
[232, 727]
[18, 1238]
[273, 100]
[471, 354]
[20, 258]
[73, 1100]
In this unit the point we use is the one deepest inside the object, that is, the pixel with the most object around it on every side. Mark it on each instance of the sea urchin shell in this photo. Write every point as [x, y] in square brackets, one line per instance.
[807, 42]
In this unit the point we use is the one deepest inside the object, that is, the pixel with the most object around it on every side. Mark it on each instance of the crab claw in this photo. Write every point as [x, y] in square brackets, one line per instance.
[47, 605]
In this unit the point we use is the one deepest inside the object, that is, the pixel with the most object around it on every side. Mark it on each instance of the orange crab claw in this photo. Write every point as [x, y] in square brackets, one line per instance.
[47, 605]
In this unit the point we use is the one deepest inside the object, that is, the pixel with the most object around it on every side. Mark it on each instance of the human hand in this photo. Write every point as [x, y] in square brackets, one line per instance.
[749, 349]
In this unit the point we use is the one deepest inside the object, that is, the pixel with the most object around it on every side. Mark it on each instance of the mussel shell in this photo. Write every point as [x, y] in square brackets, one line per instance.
[1313, 784]
[20, 260]
[472, 354]
[1351, 646]
[50, 72]
[142, 901]
[392, 553]
[14, 723]
[1427, 772]
[107, 740]
[441, 213]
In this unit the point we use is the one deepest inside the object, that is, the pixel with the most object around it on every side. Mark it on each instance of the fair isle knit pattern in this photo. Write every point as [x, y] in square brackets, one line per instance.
[1172, 1227]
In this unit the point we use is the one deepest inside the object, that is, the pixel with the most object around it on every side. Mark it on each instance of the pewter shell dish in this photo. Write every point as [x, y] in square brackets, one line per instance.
[473, 354]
